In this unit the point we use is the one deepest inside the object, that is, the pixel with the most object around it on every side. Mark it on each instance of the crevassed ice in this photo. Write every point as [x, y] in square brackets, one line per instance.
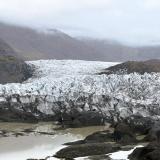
[59, 78]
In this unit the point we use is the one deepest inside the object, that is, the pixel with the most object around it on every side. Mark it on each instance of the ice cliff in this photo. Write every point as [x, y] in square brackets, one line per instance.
[70, 87]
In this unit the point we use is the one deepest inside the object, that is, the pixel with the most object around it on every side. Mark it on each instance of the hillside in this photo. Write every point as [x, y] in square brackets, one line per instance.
[141, 67]
[109, 50]
[31, 44]
[53, 44]
[12, 69]
[5, 49]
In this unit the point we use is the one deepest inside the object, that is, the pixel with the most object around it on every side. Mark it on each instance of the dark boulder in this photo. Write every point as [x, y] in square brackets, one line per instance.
[154, 133]
[123, 134]
[150, 152]
[139, 124]
[14, 115]
[101, 136]
[79, 119]
[97, 137]
[100, 157]
[87, 150]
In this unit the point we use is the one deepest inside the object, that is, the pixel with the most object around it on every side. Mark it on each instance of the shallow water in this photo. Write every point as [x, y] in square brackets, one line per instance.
[35, 145]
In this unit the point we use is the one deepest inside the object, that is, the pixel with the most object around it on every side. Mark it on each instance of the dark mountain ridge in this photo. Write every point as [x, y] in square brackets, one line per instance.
[31, 44]
[12, 69]
[140, 67]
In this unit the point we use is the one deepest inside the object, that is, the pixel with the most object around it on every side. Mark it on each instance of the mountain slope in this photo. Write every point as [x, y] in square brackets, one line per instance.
[53, 44]
[140, 67]
[5, 49]
[31, 44]
[114, 51]
[12, 69]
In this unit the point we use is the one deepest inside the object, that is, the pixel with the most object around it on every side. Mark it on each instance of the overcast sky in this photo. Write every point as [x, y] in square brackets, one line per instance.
[133, 21]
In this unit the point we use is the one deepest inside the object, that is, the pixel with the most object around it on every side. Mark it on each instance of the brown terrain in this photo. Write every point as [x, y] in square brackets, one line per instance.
[141, 67]
[12, 69]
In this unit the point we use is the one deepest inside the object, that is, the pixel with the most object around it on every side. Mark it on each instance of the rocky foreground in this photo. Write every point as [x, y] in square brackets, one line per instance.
[122, 136]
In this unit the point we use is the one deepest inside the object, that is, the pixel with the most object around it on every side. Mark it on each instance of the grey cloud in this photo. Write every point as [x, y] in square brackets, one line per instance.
[128, 21]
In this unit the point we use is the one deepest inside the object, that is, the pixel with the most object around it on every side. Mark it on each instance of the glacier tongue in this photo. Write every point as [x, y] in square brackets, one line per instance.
[52, 76]
[66, 85]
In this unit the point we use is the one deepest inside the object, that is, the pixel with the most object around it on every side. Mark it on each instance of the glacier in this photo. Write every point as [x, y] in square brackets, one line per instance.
[61, 86]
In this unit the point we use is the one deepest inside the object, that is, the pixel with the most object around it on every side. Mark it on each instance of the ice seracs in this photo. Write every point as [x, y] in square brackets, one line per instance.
[61, 85]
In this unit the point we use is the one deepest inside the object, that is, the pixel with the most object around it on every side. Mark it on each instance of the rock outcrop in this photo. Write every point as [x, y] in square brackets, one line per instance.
[140, 67]
[150, 152]
[83, 150]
